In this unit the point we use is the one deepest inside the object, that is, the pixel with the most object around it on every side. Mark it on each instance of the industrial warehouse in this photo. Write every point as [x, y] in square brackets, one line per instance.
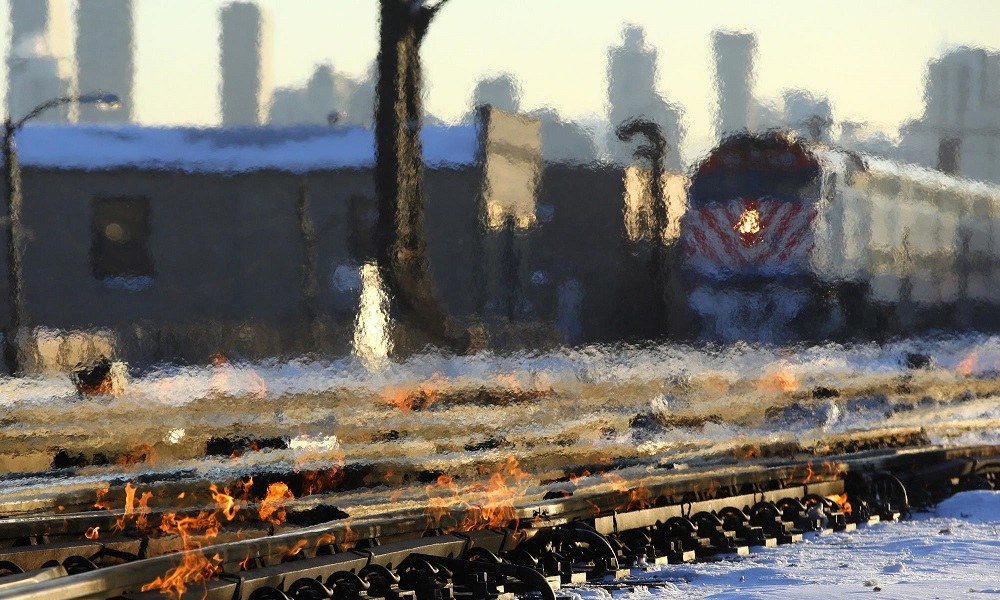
[178, 244]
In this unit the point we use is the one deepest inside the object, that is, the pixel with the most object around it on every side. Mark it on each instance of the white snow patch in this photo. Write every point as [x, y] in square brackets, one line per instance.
[923, 558]
[980, 505]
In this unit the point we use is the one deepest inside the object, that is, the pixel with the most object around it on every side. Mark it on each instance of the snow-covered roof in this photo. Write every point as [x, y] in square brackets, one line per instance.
[226, 150]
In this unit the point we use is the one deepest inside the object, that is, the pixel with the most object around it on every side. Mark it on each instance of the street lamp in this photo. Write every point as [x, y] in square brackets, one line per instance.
[12, 178]
[654, 152]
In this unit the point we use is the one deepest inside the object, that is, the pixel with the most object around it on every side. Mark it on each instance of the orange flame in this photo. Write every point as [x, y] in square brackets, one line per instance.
[809, 473]
[245, 486]
[833, 470]
[140, 521]
[325, 539]
[842, 502]
[129, 506]
[616, 482]
[967, 365]
[779, 381]
[489, 505]
[226, 503]
[350, 537]
[639, 498]
[496, 507]
[442, 495]
[794, 478]
[141, 454]
[575, 478]
[187, 527]
[294, 550]
[100, 503]
[315, 482]
[713, 486]
[92, 533]
[747, 452]
[496, 511]
[195, 567]
[407, 400]
[417, 398]
[272, 508]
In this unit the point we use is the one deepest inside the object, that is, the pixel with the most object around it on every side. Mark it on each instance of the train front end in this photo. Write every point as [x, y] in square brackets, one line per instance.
[747, 239]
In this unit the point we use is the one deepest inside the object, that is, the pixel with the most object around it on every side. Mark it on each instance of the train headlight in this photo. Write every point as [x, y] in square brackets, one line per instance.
[749, 222]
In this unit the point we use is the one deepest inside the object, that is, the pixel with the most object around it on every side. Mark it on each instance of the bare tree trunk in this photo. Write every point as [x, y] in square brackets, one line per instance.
[15, 277]
[400, 241]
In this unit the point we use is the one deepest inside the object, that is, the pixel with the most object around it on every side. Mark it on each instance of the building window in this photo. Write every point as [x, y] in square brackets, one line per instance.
[120, 241]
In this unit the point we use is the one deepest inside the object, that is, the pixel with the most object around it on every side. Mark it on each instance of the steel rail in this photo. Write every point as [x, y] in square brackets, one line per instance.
[400, 533]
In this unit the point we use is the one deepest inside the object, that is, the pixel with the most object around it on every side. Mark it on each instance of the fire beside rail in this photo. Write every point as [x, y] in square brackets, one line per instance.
[471, 540]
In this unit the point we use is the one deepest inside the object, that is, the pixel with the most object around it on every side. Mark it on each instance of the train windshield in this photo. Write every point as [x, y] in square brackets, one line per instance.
[756, 167]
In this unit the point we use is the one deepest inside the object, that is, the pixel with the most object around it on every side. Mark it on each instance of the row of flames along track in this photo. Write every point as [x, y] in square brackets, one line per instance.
[507, 533]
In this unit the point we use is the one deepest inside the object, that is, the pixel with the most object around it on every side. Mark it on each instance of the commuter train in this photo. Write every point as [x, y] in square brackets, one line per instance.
[790, 240]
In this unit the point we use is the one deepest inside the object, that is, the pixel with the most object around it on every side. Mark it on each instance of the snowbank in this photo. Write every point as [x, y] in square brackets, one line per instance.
[981, 506]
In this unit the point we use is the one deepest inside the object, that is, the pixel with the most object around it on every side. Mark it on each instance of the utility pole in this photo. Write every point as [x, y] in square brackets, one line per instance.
[400, 240]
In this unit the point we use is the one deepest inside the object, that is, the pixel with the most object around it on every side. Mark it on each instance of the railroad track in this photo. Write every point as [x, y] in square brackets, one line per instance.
[443, 540]
[440, 419]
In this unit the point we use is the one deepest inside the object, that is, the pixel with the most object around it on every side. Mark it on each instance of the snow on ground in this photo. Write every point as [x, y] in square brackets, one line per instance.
[718, 397]
[975, 355]
[953, 553]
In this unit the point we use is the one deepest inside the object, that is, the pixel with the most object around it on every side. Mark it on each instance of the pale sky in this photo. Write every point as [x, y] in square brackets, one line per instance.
[868, 56]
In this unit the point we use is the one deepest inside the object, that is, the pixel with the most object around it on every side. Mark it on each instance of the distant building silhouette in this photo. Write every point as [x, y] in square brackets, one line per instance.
[48, 17]
[245, 56]
[40, 60]
[105, 50]
[562, 141]
[768, 113]
[323, 99]
[867, 138]
[501, 92]
[808, 115]
[361, 106]
[959, 131]
[734, 76]
[632, 93]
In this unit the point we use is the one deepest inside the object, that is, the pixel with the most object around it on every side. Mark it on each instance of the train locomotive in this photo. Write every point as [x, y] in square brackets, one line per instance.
[787, 240]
